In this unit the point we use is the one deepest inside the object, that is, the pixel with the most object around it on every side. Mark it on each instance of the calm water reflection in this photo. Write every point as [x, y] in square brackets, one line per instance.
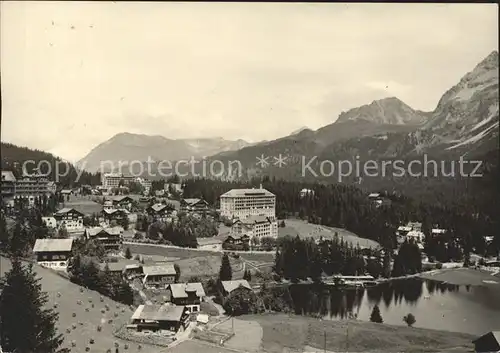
[435, 305]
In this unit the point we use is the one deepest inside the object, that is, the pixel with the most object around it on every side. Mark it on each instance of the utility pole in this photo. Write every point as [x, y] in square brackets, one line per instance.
[324, 335]
[347, 338]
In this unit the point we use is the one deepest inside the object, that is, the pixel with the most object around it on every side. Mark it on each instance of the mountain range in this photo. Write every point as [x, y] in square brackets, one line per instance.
[465, 122]
[128, 147]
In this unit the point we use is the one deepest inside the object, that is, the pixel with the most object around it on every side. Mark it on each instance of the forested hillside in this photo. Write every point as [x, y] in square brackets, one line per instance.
[14, 157]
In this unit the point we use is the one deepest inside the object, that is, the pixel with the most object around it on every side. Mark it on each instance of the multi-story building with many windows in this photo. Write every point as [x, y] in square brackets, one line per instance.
[27, 188]
[255, 226]
[252, 210]
[110, 180]
[241, 203]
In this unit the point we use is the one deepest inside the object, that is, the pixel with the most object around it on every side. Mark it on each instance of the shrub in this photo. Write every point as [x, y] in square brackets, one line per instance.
[99, 328]
[73, 326]
[87, 309]
[81, 290]
[74, 314]
[68, 330]
[116, 314]
[103, 311]
[139, 347]
[87, 349]
[439, 265]
[117, 344]
[55, 305]
[125, 346]
[110, 321]
[93, 306]
[409, 319]
[91, 341]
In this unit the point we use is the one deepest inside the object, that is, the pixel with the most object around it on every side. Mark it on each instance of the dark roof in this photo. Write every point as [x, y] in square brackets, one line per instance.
[66, 210]
[491, 339]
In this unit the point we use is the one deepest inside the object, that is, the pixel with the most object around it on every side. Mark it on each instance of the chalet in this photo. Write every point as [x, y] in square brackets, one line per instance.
[70, 218]
[229, 287]
[108, 205]
[116, 215]
[237, 242]
[188, 294]
[116, 268]
[124, 202]
[160, 317]
[110, 238]
[50, 222]
[53, 253]
[488, 343]
[194, 206]
[158, 276]
[132, 271]
[159, 211]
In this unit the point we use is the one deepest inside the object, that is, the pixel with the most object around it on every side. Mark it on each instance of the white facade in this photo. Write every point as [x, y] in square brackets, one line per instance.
[50, 222]
[242, 203]
[110, 180]
[256, 226]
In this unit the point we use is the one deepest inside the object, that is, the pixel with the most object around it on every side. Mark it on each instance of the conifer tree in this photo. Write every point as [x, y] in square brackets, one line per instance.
[27, 327]
[226, 272]
[375, 316]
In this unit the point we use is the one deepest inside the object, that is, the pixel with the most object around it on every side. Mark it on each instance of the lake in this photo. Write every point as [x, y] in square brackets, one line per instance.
[435, 305]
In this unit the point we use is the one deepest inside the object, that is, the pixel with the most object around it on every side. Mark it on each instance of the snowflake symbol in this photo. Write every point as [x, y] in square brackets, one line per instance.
[262, 161]
[280, 160]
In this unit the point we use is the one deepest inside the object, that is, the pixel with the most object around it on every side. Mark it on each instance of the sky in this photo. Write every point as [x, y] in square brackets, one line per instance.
[74, 74]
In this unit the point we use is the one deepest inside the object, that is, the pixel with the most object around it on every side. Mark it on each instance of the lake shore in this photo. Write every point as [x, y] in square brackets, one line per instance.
[290, 333]
[463, 277]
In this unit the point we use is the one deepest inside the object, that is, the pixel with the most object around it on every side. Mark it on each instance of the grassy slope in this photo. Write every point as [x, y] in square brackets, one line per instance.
[52, 283]
[303, 229]
[462, 276]
[295, 333]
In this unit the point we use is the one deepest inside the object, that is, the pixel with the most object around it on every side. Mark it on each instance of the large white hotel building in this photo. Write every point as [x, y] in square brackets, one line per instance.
[253, 211]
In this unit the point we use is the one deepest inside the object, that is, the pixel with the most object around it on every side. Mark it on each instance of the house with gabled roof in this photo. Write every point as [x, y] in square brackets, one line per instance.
[113, 214]
[53, 253]
[189, 294]
[158, 276]
[109, 237]
[154, 318]
[229, 287]
[160, 211]
[70, 219]
[194, 206]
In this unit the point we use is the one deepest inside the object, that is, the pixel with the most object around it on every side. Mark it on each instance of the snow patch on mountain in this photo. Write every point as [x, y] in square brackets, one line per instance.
[476, 137]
